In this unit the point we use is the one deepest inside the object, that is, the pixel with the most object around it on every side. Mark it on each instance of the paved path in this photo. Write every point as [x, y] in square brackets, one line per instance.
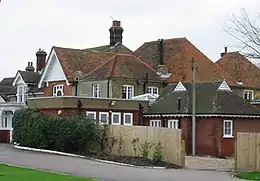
[106, 172]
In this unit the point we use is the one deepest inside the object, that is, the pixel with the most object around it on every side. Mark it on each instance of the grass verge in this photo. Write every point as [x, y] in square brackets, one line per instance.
[11, 173]
[249, 175]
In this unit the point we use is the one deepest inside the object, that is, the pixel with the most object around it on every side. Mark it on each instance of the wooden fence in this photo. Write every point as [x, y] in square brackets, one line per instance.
[247, 152]
[173, 146]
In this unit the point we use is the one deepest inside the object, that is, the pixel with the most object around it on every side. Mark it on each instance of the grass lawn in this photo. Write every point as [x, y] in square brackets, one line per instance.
[10, 173]
[249, 175]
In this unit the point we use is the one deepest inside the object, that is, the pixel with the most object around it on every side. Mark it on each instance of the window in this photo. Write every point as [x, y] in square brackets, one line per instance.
[116, 118]
[228, 128]
[248, 94]
[103, 117]
[58, 90]
[155, 123]
[173, 124]
[3, 122]
[96, 90]
[128, 119]
[21, 93]
[127, 91]
[91, 114]
[153, 90]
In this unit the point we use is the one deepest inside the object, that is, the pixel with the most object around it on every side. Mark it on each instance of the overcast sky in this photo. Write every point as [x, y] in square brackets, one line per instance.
[26, 25]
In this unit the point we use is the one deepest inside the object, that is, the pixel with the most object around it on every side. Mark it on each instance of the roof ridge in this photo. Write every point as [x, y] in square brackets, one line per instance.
[167, 39]
[100, 66]
[138, 59]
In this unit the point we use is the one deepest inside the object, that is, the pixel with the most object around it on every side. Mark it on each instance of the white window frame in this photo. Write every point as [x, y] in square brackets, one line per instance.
[174, 123]
[128, 114]
[21, 96]
[246, 91]
[96, 88]
[153, 90]
[158, 123]
[231, 129]
[92, 112]
[112, 118]
[99, 117]
[56, 88]
[4, 120]
[127, 88]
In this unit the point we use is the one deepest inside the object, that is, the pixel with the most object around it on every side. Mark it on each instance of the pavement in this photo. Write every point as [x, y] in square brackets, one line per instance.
[106, 172]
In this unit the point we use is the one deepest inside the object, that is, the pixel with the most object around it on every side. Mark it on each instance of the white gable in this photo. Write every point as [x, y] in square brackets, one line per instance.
[18, 80]
[179, 87]
[147, 97]
[53, 70]
[224, 87]
[1, 99]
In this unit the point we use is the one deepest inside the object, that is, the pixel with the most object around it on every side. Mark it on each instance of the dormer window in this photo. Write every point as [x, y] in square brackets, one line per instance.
[248, 95]
[21, 95]
[58, 90]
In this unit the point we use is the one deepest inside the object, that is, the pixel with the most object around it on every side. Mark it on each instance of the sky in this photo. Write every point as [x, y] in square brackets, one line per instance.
[27, 25]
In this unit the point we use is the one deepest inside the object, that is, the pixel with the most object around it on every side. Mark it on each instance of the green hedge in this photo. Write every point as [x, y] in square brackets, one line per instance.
[67, 134]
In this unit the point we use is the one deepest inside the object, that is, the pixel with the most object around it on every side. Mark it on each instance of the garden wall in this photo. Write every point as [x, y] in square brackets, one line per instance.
[172, 145]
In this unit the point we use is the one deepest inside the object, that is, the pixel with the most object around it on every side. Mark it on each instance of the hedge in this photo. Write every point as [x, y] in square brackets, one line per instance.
[66, 134]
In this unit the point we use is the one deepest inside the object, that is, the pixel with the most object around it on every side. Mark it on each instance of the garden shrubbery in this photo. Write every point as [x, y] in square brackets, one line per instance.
[66, 134]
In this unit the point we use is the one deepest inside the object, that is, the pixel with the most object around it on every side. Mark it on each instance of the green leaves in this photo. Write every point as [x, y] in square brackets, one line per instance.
[67, 134]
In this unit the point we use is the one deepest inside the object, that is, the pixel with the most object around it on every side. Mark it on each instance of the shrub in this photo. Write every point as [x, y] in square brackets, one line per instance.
[158, 153]
[145, 149]
[68, 134]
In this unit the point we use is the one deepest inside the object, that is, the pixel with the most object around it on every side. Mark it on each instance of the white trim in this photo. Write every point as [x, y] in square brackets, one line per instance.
[175, 123]
[98, 89]
[158, 123]
[224, 87]
[179, 87]
[231, 129]
[59, 87]
[92, 112]
[131, 117]
[252, 94]
[202, 115]
[126, 87]
[152, 88]
[17, 77]
[52, 53]
[112, 118]
[99, 116]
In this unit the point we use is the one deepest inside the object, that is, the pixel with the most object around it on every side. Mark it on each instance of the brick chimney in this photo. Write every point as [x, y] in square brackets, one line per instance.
[223, 53]
[29, 67]
[40, 60]
[116, 33]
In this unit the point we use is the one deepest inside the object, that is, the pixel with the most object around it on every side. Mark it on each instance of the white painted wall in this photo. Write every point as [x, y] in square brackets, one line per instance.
[1, 99]
[54, 71]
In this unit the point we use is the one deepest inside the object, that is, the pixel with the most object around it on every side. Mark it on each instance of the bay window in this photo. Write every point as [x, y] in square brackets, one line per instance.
[21, 95]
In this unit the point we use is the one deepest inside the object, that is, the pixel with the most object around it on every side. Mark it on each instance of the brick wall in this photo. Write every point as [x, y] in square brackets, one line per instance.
[68, 89]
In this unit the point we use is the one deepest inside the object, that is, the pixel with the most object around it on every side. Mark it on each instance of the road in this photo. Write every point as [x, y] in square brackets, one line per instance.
[106, 172]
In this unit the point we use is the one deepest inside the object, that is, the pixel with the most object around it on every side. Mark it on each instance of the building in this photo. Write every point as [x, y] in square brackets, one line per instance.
[220, 114]
[246, 74]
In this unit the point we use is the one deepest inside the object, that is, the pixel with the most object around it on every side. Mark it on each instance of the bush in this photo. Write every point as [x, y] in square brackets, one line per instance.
[67, 134]
[158, 153]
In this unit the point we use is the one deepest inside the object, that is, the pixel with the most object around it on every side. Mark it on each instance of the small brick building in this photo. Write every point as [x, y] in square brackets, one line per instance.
[220, 114]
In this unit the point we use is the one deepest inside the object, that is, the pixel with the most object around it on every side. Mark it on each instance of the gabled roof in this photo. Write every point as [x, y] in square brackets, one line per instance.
[209, 100]
[178, 53]
[73, 60]
[7, 81]
[27, 77]
[118, 48]
[124, 66]
[240, 68]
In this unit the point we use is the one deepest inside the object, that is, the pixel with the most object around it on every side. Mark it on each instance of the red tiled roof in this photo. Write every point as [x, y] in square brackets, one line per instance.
[95, 64]
[124, 66]
[178, 53]
[241, 69]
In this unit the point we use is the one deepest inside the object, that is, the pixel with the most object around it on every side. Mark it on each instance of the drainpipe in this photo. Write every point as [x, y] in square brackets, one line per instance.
[145, 82]
[108, 86]
[76, 87]
[193, 108]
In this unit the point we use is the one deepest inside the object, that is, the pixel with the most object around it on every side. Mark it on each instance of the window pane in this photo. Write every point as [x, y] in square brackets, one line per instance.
[128, 119]
[91, 115]
[116, 118]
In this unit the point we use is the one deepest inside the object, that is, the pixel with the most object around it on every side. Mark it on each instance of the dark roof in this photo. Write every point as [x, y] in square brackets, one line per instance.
[7, 90]
[178, 53]
[30, 77]
[124, 66]
[209, 100]
[7, 81]
[35, 89]
[118, 48]
[240, 68]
